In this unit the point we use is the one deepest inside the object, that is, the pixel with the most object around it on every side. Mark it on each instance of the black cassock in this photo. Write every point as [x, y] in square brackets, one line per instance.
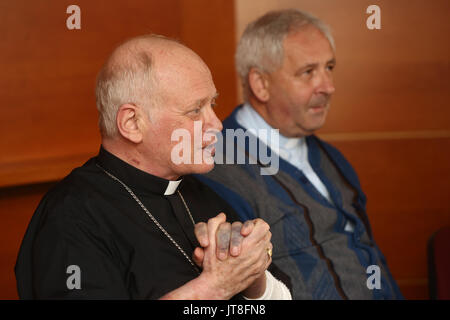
[89, 226]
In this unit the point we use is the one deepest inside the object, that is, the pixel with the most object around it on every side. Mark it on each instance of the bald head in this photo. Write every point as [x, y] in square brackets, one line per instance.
[136, 73]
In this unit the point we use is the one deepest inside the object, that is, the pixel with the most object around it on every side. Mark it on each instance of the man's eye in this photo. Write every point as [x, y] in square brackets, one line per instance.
[308, 71]
[330, 67]
[196, 111]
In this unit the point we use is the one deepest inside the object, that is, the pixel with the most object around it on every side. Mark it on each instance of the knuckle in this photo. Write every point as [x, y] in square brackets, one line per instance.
[236, 230]
[262, 265]
[236, 239]
[211, 220]
[237, 224]
[258, 221]
[225, 227]
[201, 226]
[262, 224]
[248, 223]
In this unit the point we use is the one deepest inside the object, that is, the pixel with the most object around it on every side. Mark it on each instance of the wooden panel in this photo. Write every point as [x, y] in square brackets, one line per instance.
[49, 72]
[208, 27]
[40, 170]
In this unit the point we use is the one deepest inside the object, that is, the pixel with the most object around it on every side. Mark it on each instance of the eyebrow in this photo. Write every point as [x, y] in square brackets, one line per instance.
[312, 65]
[201, 102]
[333, 61]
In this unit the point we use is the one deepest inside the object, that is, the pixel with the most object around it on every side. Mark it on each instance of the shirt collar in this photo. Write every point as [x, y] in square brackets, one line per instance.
[252, 120]
[139, 181]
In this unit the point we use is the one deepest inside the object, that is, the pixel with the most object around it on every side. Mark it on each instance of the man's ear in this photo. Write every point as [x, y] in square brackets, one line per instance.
[259, 85]
[129, 123]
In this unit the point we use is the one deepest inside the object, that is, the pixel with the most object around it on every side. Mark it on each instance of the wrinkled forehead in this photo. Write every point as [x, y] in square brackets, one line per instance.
[307, 45]
[180, 71]
[307, 37]
[175, 69]
[177, 60]
[165, 53]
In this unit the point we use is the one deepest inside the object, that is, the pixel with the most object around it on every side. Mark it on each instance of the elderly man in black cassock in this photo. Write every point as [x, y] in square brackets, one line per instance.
[131, 223]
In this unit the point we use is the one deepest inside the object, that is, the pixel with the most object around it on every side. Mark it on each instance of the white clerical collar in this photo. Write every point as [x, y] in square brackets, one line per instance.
[172, 187]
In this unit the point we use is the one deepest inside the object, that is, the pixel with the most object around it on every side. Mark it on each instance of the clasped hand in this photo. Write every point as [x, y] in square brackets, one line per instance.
[233, 257]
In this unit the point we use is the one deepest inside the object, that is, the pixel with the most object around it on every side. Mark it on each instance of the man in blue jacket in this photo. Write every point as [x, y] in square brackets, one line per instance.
[311, 196]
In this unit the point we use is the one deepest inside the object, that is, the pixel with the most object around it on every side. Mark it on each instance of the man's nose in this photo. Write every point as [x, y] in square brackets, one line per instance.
[326, 84]
[212, 121]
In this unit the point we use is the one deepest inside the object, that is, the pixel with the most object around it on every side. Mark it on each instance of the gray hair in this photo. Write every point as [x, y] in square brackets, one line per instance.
[126, 77]
[261, 45]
